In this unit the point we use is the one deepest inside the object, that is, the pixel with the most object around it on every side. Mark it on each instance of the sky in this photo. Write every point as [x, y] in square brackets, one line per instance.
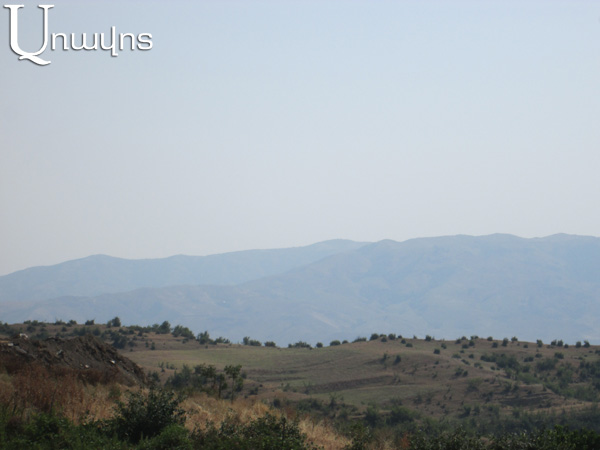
[267, 124]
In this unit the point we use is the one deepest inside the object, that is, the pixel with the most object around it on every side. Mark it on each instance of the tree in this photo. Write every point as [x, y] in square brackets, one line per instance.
[185, 332]
[164, 328]
[253, 342]
[236, 381]
[204, 338]
[221, 384]
[206, 373]
[116, 322]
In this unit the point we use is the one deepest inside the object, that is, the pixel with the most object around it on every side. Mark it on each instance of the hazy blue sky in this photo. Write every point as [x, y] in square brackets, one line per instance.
[282, 123]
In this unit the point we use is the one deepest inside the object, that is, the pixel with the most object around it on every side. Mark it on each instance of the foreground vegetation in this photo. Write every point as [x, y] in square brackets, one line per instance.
[155, 420]
[382, 392]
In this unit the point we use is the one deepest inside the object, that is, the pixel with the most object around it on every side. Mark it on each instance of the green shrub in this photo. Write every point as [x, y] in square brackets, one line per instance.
[146, 415]
[53, 432]
[172, 437]
[265, 433]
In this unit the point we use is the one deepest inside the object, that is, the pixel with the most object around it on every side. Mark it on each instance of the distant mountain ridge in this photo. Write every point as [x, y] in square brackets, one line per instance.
[101, 274]
[499, 285]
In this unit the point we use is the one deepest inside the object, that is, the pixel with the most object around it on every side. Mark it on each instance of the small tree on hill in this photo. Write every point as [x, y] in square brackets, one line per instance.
[164, 328]
[204, 338]
[116, 322]
[237, 381]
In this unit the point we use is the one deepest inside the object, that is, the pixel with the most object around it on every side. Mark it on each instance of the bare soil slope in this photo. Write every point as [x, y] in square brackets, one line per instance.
[95, 359]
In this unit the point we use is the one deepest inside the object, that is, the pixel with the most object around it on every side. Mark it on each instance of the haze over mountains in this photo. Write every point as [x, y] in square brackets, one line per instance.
[499, 285]
[101, 274]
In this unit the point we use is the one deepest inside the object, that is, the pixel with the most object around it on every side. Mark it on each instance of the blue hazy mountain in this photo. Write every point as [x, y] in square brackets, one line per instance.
[100, 274]
[499, 285]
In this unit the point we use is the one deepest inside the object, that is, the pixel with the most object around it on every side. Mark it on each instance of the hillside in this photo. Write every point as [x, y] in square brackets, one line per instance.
[479, 378]
[437, 379]
[501, 285]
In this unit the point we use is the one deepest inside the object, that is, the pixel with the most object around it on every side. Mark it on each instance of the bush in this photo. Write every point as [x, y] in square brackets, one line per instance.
[172, 437]
[265, 433]
[182, 331]
[400, 414]
[204, 338]
[116, 322]
[251, 342]
[146, 416]
[163, 328]
[455, 440]
[51, 431]
[300, 344]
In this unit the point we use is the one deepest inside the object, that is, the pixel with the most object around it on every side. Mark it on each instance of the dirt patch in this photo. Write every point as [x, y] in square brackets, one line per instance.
[92, 359]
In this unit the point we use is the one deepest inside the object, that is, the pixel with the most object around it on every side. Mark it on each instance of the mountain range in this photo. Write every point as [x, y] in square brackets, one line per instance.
[499, 285]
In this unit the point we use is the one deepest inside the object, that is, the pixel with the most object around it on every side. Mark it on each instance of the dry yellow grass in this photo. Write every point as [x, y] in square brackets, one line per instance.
[323, 435]
[202, 409]
[33, 390]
